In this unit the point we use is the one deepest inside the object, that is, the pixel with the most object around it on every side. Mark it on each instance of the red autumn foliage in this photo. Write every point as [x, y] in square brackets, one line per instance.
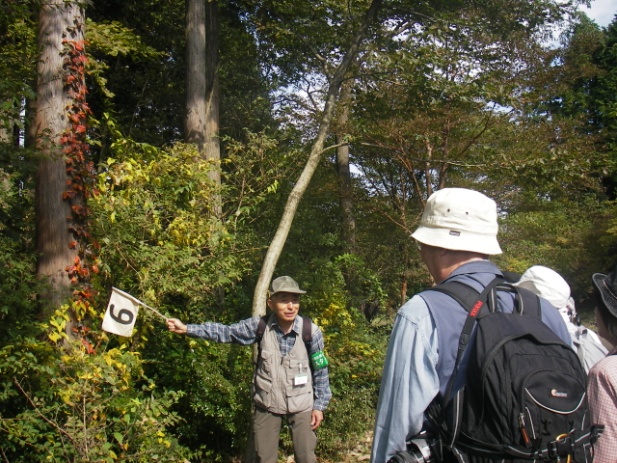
[81, 179]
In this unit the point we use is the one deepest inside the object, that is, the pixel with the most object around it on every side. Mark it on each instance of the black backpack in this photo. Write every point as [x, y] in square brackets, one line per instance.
[524, 396]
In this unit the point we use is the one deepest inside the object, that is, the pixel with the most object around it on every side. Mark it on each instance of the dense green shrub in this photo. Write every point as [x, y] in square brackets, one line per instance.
[65, 405]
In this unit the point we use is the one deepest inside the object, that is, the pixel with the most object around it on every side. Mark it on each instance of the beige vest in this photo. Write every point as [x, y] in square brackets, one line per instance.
[283, 384]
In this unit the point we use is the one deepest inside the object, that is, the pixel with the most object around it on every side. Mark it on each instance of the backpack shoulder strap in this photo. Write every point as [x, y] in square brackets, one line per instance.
[465, 295]
[307, 337]
[474, 303]
[259, 334]
[307, 333]
[261, 328]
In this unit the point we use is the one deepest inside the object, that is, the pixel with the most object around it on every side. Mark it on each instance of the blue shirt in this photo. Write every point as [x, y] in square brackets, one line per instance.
[410, 379]
[244, 333]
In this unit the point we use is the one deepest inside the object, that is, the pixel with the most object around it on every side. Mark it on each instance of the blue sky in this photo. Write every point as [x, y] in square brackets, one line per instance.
[602, 11]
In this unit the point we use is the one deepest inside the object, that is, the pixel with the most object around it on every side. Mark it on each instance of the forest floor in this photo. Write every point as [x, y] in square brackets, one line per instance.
[361, 453]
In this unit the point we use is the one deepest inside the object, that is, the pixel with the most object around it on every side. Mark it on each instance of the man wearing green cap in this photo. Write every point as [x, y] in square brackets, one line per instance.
[285, 385]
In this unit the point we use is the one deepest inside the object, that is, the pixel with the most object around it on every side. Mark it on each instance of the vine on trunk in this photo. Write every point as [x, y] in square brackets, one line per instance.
[81, 176]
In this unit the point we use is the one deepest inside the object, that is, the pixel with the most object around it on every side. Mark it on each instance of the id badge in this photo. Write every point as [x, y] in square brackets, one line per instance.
[300, 379]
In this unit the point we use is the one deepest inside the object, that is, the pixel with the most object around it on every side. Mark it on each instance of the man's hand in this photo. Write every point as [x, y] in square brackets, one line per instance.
[316, 419]
[176, 326]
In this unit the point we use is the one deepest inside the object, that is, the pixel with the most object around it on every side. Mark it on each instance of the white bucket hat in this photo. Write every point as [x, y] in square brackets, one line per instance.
[547, 283]
[461, 220]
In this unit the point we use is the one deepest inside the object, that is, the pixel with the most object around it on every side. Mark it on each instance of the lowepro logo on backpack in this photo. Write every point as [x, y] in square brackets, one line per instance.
[556, 393]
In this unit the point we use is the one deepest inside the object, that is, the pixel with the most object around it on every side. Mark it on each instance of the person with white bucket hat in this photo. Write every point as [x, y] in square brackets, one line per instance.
[456, 236]
[549, 284]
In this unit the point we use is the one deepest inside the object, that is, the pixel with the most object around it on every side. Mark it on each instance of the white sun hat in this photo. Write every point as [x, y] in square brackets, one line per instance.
[547, 283]
[460, 219]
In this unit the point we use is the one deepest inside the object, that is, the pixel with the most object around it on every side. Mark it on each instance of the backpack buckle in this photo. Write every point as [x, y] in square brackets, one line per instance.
[561, 447]
[596, 430]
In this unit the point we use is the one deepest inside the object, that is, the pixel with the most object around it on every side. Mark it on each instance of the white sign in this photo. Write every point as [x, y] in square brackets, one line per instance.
[121, 313]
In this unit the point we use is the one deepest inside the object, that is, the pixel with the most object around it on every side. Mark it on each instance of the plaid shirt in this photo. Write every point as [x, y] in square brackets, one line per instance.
[602, 390]
[244, 333]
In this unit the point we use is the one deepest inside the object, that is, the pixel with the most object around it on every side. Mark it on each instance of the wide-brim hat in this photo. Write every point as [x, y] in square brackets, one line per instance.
[607, 288]
[547, 283]
[461, 220]
[285, 284]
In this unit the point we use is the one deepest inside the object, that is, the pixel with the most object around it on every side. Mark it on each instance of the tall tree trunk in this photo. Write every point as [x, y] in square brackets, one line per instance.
[202, 90]
[195, 122]
[213, 146]
[344, 182]
[276, 246]
[344, 171]
[58, 20]
[202, 83]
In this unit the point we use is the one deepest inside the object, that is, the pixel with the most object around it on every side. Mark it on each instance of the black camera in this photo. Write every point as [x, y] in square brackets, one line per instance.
[420, 449]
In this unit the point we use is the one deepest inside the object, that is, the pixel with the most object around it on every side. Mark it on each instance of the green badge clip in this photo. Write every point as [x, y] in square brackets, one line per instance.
[319, 360]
